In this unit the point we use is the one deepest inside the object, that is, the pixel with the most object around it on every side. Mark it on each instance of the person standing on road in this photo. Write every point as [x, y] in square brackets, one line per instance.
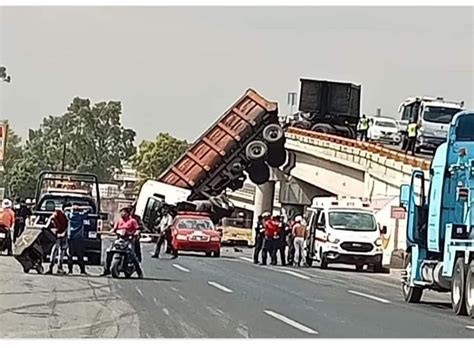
[363, 127]
[7, 220]
[76, 216]
[259, 237]
[58, 223]
[280, 241]
[271, 229]
[299, 232]
[141, 229]
[411, 133]
[164, 229]
[22, 213]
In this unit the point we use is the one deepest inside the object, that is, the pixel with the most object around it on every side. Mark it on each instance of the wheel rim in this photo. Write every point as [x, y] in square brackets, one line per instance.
[456, 292]
[470, 291]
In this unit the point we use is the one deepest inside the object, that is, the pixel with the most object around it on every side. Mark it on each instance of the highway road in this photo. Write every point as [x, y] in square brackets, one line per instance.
[229, 297]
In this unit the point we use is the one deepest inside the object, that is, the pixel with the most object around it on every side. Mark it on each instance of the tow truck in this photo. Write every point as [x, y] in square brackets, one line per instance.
[54, 189]
[440, 221]
[343, 231]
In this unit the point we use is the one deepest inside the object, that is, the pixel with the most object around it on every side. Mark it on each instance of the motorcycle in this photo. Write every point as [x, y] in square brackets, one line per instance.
[5, 240]
[121, 256]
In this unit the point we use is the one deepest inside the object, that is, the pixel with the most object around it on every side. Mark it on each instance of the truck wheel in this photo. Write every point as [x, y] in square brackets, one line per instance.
[322, 128]
[256, 151]
[458, 285]
[277, 157]
[259, 174]
[114, 268]
[323, 263]
[411, 294]
[272, 134]
[469, 292]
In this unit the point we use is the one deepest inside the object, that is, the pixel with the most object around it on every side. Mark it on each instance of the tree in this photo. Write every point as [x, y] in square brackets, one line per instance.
[13, 154]
[153, 158]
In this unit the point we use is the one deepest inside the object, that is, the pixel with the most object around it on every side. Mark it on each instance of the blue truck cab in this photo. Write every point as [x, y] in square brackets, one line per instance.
[440, 221]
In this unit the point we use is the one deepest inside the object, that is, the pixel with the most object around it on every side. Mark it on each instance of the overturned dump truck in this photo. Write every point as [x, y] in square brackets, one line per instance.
[246, 140]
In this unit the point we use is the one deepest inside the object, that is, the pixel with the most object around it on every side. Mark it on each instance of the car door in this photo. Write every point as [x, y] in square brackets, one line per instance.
[320, 231]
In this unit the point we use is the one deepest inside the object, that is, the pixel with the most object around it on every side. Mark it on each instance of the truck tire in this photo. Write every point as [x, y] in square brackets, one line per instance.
[323, 262]
[259, 173]
[411, 294]
[273, 134]
[114, 268]
[469, 291]
[276, 157]
[322, 128]
[458, 285]
[256, 151]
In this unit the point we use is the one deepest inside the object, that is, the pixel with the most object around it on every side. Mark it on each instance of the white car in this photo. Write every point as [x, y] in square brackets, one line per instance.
[384, 130]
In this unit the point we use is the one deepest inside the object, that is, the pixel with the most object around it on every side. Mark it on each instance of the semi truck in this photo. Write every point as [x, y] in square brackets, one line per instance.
[440, 221]
[246, 140]
[328, 107]
[433, 116]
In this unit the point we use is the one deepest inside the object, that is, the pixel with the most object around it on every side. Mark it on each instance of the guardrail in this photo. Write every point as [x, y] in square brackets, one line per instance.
[366, 146]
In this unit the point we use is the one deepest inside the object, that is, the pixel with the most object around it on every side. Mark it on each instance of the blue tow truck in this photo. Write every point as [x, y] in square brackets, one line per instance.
[440, 223]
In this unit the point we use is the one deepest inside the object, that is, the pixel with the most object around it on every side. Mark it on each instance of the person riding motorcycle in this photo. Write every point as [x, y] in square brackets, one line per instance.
[7, 223]
[131, 228]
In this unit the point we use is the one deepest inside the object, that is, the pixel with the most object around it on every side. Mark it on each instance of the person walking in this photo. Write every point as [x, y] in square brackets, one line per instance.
[280, 241]
[22, 214]
[271, 229]
[299, 232]
[411, 133]
[76, 216]
[363, 127]
[58, 223]
[164, 229]
[259, 237]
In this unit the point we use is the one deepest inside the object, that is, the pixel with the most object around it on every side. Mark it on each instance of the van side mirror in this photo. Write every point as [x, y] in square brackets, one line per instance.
[383, 230]
[321, 227]
[404, 195]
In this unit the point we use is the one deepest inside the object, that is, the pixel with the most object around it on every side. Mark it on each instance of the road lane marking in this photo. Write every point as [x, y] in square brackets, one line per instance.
[246, 259]
[174, 289]
[375, 298]
[296, 274]
[166, 311]
[220, 287]
[181, 268]
[291, 322]
[155, 300]
[182, 298]
[139, 291]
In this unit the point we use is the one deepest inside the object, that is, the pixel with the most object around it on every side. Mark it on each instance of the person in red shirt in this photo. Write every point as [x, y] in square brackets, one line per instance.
[271, 231]
[58, 224]
[128, 225]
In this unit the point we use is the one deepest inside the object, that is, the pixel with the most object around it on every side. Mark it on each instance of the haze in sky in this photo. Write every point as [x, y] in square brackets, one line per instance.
[178, 69]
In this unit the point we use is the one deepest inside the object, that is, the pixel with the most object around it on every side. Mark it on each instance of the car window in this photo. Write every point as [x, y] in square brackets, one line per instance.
[195, 224]
[53, 203]
[386, 124]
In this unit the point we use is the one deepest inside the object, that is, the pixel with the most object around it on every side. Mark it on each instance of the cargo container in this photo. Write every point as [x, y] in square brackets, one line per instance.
[246, 140]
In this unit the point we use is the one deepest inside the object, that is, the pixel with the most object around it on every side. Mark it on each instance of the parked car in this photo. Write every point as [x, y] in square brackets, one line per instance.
[384, 130]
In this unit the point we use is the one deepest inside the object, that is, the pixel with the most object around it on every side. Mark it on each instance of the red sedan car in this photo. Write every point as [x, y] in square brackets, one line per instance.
[193, 231]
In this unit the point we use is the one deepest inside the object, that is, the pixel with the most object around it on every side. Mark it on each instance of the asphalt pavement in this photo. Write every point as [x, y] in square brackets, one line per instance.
[227, 297]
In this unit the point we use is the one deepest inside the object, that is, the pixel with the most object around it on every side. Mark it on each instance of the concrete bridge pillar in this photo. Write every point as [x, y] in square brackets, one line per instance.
[263, 201]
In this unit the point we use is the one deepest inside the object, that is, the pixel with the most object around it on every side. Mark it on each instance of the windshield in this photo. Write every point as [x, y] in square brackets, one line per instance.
[195, 224]
[53, 203]
[439, 114]
[388, 124]
[353, 221]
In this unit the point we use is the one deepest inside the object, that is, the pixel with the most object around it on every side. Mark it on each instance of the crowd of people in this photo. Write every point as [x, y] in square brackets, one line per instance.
[13, 220]
[274, 237]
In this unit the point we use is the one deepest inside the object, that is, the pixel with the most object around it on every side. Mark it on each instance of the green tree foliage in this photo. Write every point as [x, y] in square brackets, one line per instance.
[154, 157]
[87, 138]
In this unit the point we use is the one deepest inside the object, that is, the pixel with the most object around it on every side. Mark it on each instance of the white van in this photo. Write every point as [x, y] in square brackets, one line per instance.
[343, 231]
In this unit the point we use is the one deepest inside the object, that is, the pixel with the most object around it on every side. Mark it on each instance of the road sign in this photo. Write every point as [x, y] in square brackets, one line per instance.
[3, 138]
[397, 213]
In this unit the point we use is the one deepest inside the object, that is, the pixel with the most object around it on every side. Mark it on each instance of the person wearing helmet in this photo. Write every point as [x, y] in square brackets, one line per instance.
[22, 214]
[7, 223]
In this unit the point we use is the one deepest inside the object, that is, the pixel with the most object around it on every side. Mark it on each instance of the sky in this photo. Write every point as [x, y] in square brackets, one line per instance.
[177, 69]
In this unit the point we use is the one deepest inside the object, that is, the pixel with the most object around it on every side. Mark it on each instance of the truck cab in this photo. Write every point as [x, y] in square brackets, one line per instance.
[433, 116]
[343, 231]
[440, 224]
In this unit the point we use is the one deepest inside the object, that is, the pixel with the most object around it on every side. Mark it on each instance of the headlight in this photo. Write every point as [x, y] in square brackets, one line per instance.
[181, 237]
[378, 242]
[332, 239]
[215, 239]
